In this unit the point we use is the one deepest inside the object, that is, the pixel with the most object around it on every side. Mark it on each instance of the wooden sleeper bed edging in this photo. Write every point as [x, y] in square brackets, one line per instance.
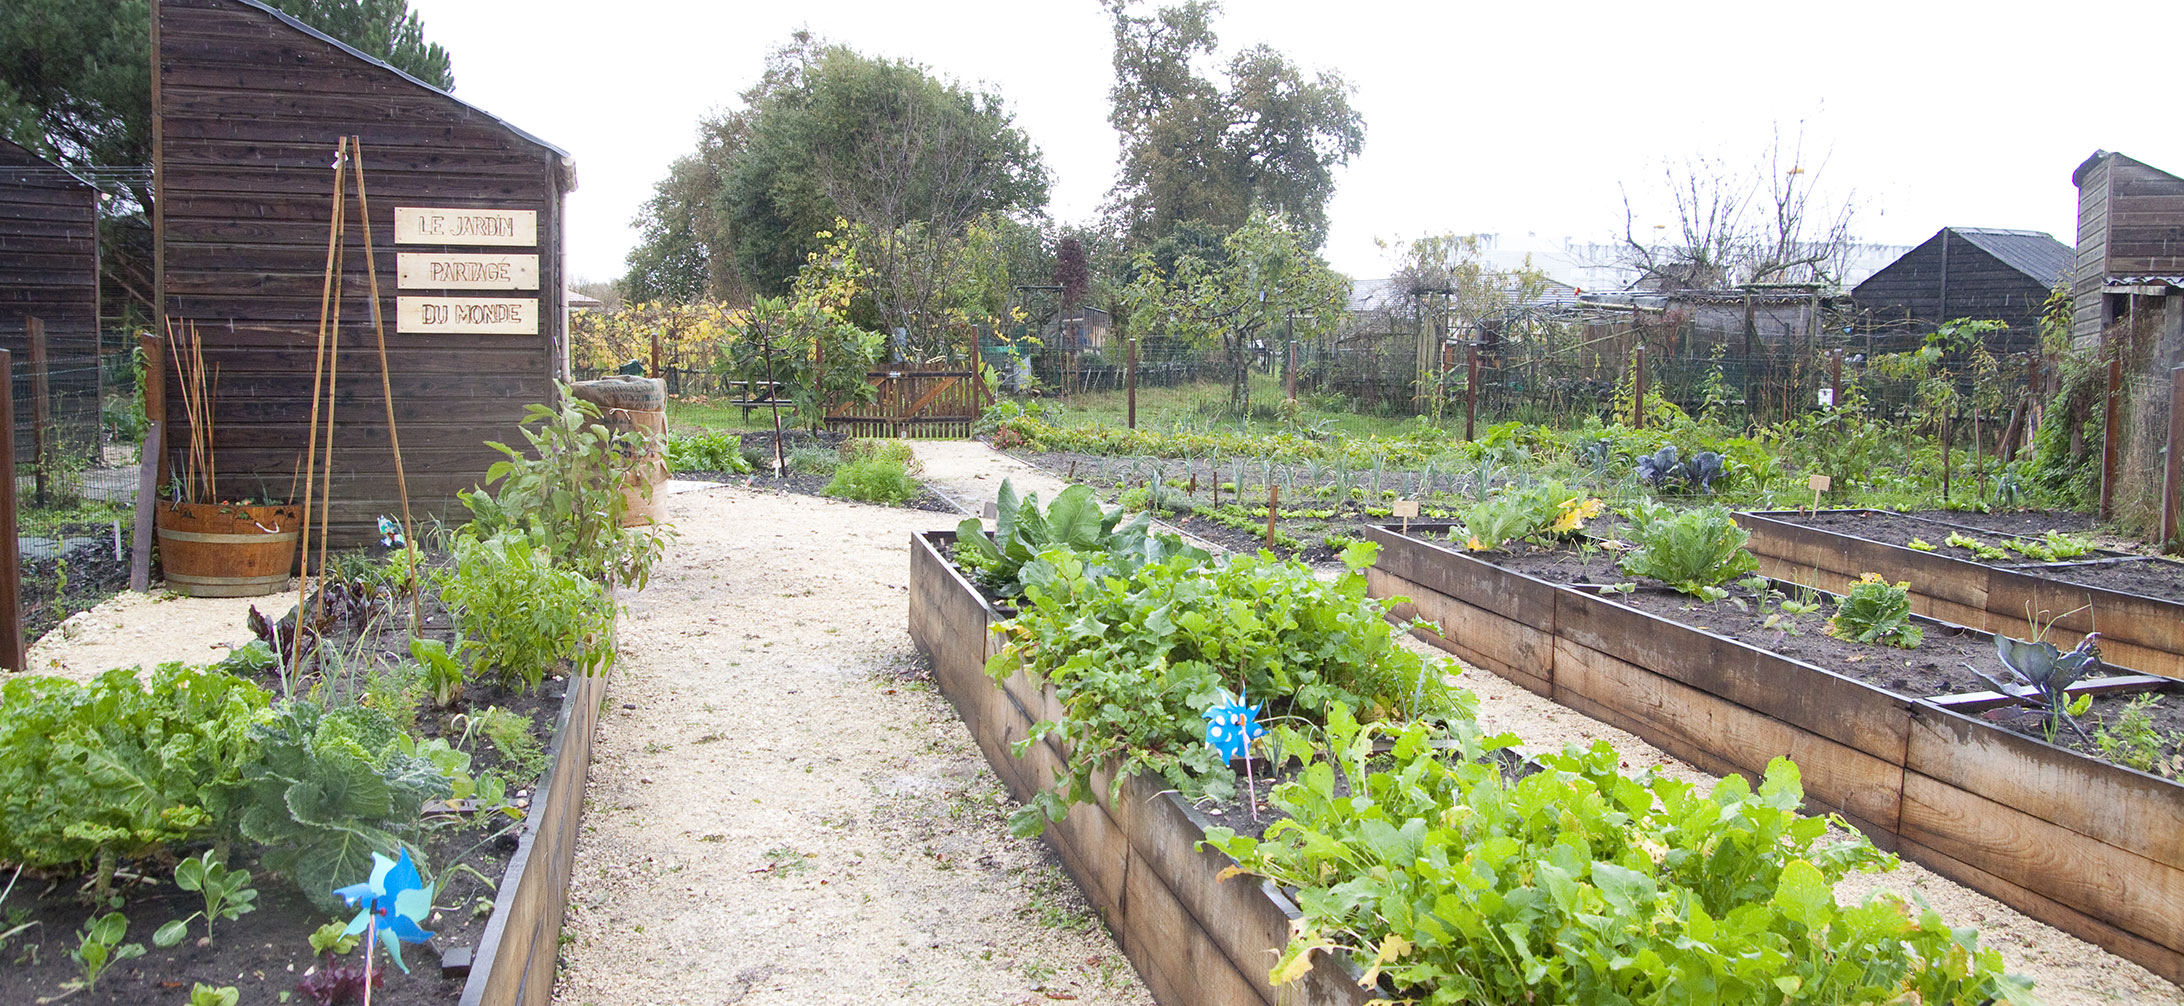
[515, 960]
[2093, 849]
[1193, 937]
[2138, 631]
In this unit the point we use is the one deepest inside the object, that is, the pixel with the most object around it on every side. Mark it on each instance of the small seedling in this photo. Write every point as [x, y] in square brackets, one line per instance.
[227, 893]
[333, 939]
[202, 994]
[99, 947]
[443, 671]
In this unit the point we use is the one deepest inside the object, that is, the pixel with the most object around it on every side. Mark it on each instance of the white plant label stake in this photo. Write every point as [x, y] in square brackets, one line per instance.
[1405, 509]
[1819, 484]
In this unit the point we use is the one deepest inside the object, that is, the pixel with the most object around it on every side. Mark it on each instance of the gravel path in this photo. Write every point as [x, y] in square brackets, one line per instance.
[783, 811]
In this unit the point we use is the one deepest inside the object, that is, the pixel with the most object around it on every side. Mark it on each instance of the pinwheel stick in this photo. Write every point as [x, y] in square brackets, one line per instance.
[371, 941]
[1249, 780]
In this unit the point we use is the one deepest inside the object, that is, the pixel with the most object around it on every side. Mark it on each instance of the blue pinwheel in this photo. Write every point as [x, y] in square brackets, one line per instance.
[1231, 726]
[394, 901]
[390, 533]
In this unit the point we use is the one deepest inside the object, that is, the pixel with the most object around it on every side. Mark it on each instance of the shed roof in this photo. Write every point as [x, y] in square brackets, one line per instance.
[2035, 253]
[568, 163]
[25, 164]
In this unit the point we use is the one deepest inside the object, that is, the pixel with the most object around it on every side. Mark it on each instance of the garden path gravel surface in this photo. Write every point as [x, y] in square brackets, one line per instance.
[783, 810]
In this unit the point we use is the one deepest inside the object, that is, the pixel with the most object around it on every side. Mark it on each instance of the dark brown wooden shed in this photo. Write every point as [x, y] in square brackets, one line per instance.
[49, 270]
[2130, 251]
[1981, 273]
[465, 217]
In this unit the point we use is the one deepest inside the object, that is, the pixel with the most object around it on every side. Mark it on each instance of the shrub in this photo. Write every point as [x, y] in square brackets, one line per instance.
[812, 461]
[874, 480]
[519, 614]
[706, 451]
[1694, 551]
[1075, 521]
[567, 494]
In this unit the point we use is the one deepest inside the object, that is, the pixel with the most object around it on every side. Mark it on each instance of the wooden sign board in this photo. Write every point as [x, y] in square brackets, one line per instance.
[466, 271]
[455, 225]
[466, 315]
[1819, 483]
[1406, 509]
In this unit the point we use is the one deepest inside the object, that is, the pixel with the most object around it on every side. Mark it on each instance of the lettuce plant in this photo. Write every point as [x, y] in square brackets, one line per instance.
[1694, 551]
[1876, 611]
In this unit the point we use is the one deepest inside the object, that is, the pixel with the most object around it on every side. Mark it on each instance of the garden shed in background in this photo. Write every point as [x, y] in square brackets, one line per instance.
[466, 221]
[1969, 272]
[49, 270]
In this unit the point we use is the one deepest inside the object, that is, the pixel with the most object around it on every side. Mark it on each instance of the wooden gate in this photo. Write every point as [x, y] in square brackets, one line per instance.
[936, 404]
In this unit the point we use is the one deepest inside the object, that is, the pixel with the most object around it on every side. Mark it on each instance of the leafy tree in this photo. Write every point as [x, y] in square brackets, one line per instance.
[1196, 150]
[804, 342]
[828, 132]
[1270, 278]
[75, 85]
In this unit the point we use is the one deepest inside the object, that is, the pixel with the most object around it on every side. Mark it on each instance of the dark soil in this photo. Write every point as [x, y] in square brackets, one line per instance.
[1935, 667]
[93, 573]
[2145, 575]
[265, 953]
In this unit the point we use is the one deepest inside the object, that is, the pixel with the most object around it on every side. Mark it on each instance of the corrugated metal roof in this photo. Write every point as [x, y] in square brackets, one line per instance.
[2035, 253]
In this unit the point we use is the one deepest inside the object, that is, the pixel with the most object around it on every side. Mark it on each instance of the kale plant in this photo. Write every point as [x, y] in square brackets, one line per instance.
[330, 789]
[2049, 673]
[1666, 471]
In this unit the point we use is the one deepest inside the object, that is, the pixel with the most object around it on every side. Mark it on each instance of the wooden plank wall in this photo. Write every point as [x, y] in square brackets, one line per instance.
[49, 270]
[249, 109]
[2087, 312]
[1979, 286]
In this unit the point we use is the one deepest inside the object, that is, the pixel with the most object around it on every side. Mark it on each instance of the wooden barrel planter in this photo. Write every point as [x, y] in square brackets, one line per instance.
[2089, 847]
[2137, 630]
[226, 549]
[1194, 938]
[634, 405]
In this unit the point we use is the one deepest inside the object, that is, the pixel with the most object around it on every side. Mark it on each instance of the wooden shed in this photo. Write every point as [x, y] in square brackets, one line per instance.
[2130, 251]
[466, 221]
[49, 270]
[1970, 272]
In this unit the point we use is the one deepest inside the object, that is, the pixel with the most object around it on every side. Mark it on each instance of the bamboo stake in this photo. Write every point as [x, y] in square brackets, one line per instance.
[333, 384]
[318, 370]
[386, 381]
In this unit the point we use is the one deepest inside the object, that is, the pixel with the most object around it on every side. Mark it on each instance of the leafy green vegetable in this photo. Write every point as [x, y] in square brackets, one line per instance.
[1546, 508]
[1876, 611]
[1075, 521]
[1919, 544]
[330, 789]
[99, 947]
[1980, 550]
[2051, 547]
[706, 451]
[1694, 551]
[227, 893]
[520, 614]
[1135, 658]
[116, 769]
[1453, 880]
[2050, 672]
[2134, 741]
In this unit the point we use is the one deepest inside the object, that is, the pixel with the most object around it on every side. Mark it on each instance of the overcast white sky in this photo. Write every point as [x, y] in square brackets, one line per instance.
[1511, 118]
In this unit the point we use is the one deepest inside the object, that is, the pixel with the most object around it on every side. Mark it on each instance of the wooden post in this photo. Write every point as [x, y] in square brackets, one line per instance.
[1835, 379]
[2172, 476]
[1130, 382]
[1638, 407]
[1273, 510]
[2110, 428]
[1471, 388]
[1945, 459]
[656, 353]
[41, 409]
[140, 544]
[1292, 379]
[11, 558]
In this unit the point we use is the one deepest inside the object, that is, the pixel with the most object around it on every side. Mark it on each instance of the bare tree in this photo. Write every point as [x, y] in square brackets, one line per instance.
[1733, 228]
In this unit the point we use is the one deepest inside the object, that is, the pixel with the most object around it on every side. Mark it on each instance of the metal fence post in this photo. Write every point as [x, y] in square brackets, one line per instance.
[2109, 430]
[2172, 476]
[1130, 379]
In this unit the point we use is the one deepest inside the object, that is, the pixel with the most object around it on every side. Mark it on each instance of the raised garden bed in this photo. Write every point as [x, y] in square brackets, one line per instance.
[506, 958]
[2089, 847]
[1194, 938]
[2136, 603]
